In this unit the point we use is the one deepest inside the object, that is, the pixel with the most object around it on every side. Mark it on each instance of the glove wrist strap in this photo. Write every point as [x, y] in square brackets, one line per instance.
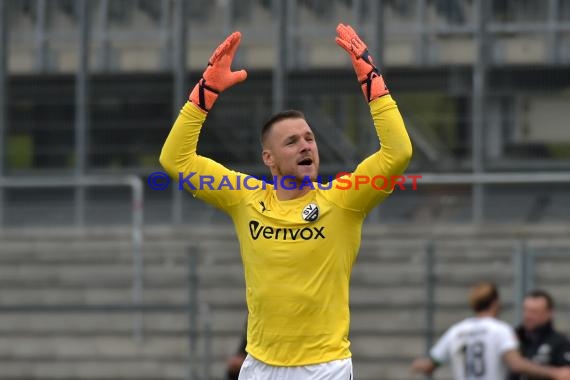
[203, 95]
[373, 85]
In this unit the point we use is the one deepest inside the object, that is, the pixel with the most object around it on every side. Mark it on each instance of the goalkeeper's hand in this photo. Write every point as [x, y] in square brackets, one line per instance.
[368, 75]
[218, 76]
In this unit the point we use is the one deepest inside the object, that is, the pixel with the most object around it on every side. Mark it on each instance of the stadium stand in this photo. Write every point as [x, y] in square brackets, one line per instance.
[56, 284]
[66, 291]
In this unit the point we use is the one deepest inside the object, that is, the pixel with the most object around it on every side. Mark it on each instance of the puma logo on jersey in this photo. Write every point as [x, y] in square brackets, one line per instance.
[263, 208]
[258, 230]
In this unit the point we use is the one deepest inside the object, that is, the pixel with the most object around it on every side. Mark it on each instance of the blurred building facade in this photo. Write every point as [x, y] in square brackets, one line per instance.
[117, 98]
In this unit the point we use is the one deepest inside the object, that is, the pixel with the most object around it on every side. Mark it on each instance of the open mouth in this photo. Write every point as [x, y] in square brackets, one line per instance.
[305, 162]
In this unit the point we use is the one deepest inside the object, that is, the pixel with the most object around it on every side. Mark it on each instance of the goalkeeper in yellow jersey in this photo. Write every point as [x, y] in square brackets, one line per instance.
[298, 241]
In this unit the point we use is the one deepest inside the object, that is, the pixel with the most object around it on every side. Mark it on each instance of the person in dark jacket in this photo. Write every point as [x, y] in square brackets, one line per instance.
[236, 360]
[538, 339]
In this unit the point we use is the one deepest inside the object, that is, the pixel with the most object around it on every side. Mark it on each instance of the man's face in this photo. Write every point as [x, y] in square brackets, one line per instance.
[535, 312]
[290, 150]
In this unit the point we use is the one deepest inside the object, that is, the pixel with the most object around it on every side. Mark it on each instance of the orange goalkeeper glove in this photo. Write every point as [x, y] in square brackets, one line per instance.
[368, 75]
[218, 76]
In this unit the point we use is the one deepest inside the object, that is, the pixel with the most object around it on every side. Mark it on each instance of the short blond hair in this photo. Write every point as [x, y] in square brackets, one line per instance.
[482, 296]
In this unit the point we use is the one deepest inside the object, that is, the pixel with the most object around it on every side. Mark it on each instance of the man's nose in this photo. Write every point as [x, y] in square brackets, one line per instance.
[305, 146]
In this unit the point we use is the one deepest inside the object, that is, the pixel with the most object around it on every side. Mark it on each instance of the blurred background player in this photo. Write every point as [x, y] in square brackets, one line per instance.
[538, 339]
[482, 347]
[236, 360]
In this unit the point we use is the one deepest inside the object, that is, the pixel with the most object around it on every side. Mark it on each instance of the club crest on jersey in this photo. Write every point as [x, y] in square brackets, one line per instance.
[310, 212]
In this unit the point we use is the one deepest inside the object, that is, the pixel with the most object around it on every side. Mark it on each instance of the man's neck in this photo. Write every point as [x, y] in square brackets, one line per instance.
[290, 188]
[287, 195]
[486, 313]
[540, 329]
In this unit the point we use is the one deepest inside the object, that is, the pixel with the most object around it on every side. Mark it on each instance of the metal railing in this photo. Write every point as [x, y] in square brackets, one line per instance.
[198, 316]
[478, 180]
[197, 311]
[82, 182]
[417, 23]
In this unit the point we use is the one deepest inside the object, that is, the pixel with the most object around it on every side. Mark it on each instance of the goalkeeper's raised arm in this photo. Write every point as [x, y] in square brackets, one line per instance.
[178, 157]
[396, 149]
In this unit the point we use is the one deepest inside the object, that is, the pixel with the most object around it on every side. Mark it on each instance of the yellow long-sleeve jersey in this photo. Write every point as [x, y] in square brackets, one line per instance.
[297, 254]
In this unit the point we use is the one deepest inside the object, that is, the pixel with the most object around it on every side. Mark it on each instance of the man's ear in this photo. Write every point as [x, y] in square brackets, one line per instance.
[267, 157]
